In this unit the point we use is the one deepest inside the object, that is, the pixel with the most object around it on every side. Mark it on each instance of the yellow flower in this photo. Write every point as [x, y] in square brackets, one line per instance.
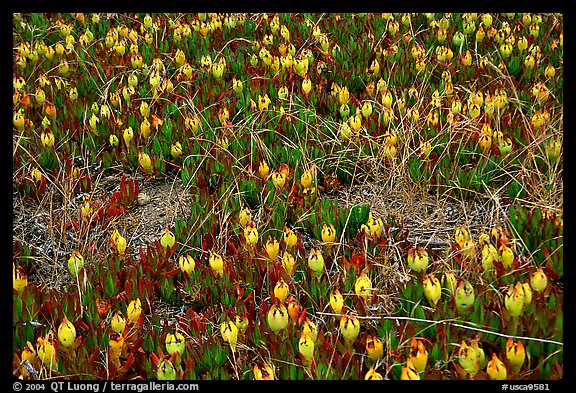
[418, 259]
[47, 351]
[144, 161]
[309, 328]
[464, 296]
[263, 169]
[176, 150]
[167, 239]
[432, 289]
[418, 355]
[539, 280]
[47, 139]
[363, 286]
[272, 248]
[75, 263]
[29, 353]
[496, 368]
[216, 263]
[288, 263]
[281, 290]
[506, 256]
[355, 122]
[277, 317]
[328, 233]
[461, 235]
[263, 102]
[119, 242]
[306, 178]
[336, 301]
[373, 375]
[175, 343]
[245, 217]
[134, 310]
[515, 353]
[251, 234]
[264, 374]
[468, 359]
[19, 279]
[306, 85]
[306, 348]
[166, 371]
[514, 299]
[316, 263]
[290, 237]
[118, 323]
[128, 134]
[349, 327]
[489, 255]
[186, 263]
[278, 179]
[66, 333]
[229, 332]
[374, 348]
[409, 372]
[241, 323]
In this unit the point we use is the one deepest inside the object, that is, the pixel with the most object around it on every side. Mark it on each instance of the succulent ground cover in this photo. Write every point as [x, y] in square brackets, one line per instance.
[288, 196]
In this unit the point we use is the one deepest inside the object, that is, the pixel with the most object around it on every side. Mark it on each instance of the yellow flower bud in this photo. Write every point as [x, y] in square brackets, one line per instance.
[373, 375]
[167, 239]
[515, 353]
[118, 323]
[539, 280]
[418, 354]
[409, 372]
[47, 139]
[166, 371]
[272, 248]
[277, 317]
[496, 368]
[349, 327]
[134, 310]
[464, 296]
[176, 150]
[328, 233]
[514, 300]
[432, 289]
[363, 286]
[281, 290]
[306, 348]
[128, 134]
[251, 234]
[316, 263]
[290, 237]
[288, 263]
[418, 259]
[144, 161]
[186, 263]
[216, 263]
[374, 348]
[468, 359]
[309, 328]
[175, 343]
[278, 179]
[18, 119]
[489, 255]
[66, 333]
[264, 374]
[263, 169]
[47, 351]
[75, 263]
[306, 178]
[20, 279]
[506, 256]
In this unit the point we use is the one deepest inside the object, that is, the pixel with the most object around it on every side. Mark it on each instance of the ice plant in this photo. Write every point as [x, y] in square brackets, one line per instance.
[75, 263]
[290, 237]
[119, 242]
[144, 161]
[418, 354]
[47, 139]
[47, 351]
[66, 333]
[288, 263]
[468, 359]
[277, 317]
[489, 255]
[251, 234]
[306, 349]
[514, 299]
[263, 170]
[166, 371]
[278, 179]
[309, 328]
[373, 375]
[432, 289]
[245, 217]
